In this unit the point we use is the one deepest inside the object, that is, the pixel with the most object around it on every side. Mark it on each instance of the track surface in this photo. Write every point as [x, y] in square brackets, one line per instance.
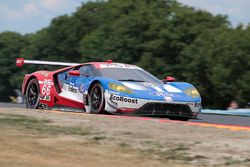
[223, 119]
[204, 118]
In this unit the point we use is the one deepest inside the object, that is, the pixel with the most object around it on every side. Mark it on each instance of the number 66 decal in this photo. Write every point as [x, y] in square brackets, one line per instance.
[46, 89]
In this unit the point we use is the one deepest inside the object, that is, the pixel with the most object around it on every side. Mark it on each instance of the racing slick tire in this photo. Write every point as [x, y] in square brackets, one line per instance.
[32, 94]
[96, 99]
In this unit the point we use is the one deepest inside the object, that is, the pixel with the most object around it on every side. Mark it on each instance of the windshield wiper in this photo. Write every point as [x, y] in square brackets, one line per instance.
[132, 80]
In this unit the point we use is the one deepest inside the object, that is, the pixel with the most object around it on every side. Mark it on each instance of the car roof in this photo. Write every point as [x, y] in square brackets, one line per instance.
[102, 65]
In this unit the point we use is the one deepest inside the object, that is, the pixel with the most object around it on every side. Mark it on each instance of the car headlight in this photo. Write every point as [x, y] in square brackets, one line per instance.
[192, 92]
[119, 88]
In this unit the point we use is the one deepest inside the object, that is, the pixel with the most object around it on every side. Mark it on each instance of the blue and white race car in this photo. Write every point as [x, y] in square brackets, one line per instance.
[116, 88]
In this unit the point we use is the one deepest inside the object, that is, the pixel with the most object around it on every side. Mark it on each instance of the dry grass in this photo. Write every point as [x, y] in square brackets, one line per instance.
[41, 138]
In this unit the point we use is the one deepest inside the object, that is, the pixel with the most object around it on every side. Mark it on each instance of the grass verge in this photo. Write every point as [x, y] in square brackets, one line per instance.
[43, 126]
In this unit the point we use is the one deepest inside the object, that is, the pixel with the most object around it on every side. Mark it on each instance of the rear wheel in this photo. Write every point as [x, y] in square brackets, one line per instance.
[96, 99]
[32, 94]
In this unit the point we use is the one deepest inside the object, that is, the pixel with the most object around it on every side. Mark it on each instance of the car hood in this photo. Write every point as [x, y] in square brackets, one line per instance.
[172, 91]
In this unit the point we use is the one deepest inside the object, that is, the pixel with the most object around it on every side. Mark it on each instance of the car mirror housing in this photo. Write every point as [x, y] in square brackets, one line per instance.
[74, 73]
[168, 79]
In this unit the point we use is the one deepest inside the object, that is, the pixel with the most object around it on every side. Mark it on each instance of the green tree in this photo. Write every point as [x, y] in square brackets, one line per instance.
[218, 61]
[162, 36]
[11, 45]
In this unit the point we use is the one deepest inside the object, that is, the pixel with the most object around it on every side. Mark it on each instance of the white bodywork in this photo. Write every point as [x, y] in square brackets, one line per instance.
[114, 101]
[71, 92]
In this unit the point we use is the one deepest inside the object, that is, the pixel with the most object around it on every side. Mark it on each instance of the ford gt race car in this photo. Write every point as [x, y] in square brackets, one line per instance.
[116, 88]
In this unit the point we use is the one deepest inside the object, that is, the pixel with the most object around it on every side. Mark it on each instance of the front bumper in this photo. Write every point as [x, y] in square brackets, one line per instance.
[117, 104]
[170, 109]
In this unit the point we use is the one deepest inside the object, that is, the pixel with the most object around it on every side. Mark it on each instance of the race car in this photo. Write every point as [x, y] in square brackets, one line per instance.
[117, 88]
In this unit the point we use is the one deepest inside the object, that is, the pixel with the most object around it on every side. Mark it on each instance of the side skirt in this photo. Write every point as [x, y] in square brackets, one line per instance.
[61, 108]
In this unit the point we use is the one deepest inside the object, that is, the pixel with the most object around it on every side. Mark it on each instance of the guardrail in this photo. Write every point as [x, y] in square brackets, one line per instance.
[240, 112]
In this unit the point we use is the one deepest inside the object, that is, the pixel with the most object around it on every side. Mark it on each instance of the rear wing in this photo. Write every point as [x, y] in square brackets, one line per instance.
[20, 62]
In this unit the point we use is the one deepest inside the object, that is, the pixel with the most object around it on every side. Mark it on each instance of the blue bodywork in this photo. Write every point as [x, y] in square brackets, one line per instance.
[83, 84]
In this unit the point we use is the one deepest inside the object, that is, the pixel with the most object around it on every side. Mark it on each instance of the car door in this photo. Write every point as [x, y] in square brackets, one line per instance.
[86, 76]
[74, 85]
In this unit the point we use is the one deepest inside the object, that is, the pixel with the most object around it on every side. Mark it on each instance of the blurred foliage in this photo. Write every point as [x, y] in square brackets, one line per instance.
[11, 45]
[162, 36]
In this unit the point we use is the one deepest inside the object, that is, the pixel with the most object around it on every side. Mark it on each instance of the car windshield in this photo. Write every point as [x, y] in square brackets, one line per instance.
[125, 74]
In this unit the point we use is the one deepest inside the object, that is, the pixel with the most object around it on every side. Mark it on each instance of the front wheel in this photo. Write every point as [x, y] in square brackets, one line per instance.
[32, 94]
[96, 99]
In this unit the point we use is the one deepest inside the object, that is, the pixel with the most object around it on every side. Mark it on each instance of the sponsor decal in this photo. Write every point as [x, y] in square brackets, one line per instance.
[72, 89]
[18, 61]
[163, 94]
[46, 74]
[46, 82]
[81, 88]
[148, 84]
[123, 99]
[45, 97]
[167, 98]
[72, 84]
[118, 65]
[46, 90]
[194, 104]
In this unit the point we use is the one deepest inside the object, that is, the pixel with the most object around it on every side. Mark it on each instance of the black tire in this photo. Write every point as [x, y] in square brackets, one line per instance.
[96, 99]
[32, 94]
[179, 118]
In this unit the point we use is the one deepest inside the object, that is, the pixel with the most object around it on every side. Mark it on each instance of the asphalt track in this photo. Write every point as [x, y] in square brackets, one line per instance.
[202, 118]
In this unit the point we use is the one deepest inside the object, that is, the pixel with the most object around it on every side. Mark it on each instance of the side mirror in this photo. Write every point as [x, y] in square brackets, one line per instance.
[74, 73]
[168, 79]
